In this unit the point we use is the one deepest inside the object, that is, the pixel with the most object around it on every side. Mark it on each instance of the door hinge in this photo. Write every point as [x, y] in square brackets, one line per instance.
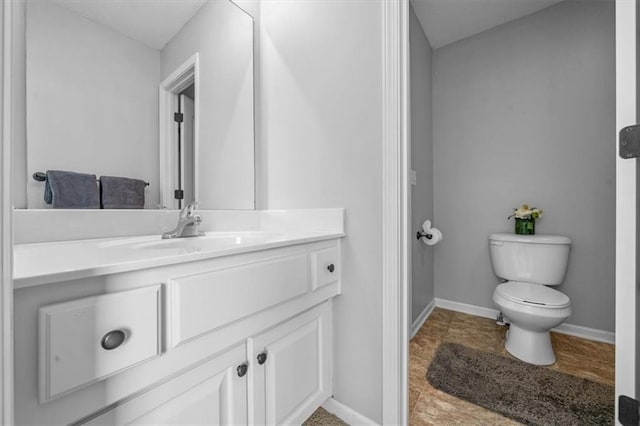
[629, 140]
[178, 194]
[628, 411]
[178, 117]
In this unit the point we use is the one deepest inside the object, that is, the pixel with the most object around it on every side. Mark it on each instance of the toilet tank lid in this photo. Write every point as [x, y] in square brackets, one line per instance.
[530, 239]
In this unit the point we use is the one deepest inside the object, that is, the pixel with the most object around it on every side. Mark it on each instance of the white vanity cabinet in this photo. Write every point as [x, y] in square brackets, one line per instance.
[286, 380]
[237, 339]
[211, 393]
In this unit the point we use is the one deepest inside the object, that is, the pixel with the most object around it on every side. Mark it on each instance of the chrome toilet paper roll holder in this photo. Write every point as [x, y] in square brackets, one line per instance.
[422, 234]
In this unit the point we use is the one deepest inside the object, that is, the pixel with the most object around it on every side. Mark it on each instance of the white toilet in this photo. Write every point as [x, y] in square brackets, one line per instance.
[529, 263]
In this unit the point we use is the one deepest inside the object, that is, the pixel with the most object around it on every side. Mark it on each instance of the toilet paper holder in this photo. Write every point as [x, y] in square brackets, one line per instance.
[421, 234]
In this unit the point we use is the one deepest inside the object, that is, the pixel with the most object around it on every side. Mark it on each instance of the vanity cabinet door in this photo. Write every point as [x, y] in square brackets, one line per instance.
[212, 393]
[291, 369]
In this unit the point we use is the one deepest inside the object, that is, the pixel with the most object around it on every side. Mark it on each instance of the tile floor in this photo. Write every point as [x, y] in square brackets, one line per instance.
[428, 406]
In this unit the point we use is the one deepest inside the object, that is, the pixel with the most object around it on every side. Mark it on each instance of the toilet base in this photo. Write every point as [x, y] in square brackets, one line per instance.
[533, 347]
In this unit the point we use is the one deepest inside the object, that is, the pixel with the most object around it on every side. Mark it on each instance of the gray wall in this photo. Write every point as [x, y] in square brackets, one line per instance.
[525, 112]
[320, 113]
[422, 163]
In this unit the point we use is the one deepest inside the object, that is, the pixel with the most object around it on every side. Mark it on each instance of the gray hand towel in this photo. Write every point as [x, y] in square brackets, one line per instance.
[122, 193]
[70, 190]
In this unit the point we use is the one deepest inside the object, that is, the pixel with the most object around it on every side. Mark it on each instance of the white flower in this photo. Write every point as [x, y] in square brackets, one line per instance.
[524, 212]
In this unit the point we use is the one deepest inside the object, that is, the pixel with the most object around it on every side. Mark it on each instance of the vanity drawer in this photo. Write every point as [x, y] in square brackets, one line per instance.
[325, 267]
[80, 342]
[204, 302]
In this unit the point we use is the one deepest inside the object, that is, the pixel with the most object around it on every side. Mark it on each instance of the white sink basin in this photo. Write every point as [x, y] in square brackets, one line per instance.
[210, 241]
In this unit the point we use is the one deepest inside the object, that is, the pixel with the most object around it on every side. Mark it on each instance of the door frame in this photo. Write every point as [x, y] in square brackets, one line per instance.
[396, 220]
[6, 211]
[186, 74]
[626, 207]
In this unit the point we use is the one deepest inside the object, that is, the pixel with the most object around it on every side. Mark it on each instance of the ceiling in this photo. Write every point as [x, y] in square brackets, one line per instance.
[447, 21]
[151, 22]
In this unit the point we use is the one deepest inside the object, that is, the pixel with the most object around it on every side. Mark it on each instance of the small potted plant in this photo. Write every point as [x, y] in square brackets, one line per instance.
[525, 217]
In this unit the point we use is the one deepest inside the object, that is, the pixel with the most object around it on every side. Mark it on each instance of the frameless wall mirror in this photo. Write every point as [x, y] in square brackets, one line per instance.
[156, 90]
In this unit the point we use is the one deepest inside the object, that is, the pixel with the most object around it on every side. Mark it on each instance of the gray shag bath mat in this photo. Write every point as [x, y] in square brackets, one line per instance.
[322, 417]
[527, 393]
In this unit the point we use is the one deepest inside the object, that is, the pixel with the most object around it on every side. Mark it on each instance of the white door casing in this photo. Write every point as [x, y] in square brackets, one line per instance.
[186, 74]
[6, 236]
[626, 210]
[396, 246]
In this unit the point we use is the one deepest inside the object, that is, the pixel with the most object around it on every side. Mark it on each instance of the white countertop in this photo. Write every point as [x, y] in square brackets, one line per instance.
[41, 263]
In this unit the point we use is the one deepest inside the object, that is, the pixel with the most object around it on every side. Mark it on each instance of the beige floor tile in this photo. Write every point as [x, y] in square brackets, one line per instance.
[417, 372]
[414, 394]
[475, 332]
[586, 348]
[438, 408]
[581, 366]
[424, 347]
[430, 335]
[437, 325]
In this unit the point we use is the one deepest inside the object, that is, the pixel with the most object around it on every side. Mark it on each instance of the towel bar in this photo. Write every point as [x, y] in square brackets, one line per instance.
[41, 177]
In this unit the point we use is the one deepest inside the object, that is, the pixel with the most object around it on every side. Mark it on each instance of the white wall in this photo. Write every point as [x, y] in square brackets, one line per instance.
[92, 101]
[422, 162]
[525, 112]
[19, 128]
[223, 36]
[321, 128]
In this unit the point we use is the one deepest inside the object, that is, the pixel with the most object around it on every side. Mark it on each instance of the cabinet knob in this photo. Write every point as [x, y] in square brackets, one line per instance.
[112, 339]
[262, 358]
[331, 268]
[242, 369]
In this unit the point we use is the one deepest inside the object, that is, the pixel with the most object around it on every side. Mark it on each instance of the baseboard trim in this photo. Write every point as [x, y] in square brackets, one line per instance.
[570, 329]
[417, 324]
[479, 311]
[347, 414]
[587, 333]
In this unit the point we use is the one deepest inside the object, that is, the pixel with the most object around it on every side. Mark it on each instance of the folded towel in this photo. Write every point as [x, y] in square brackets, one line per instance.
[122, 193]
[70, 190]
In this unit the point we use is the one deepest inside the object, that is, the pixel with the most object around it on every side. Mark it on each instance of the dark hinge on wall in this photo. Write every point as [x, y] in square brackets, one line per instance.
[629, 141]
[178, 194]
[178, 117]
[628, 411]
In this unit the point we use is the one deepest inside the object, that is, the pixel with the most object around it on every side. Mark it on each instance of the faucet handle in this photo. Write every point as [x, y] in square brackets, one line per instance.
[189, 209]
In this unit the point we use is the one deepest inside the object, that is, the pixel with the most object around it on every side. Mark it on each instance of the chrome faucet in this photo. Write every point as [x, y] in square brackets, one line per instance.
[188, 223]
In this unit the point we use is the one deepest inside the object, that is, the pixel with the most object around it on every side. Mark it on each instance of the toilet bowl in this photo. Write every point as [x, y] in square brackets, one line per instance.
[532, 310]
[528, 264]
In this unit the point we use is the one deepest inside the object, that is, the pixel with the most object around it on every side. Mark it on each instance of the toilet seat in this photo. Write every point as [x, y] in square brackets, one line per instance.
[533, 295]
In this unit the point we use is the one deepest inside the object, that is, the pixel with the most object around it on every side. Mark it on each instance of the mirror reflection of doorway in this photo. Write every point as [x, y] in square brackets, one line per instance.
[186, 151]
[179, 106]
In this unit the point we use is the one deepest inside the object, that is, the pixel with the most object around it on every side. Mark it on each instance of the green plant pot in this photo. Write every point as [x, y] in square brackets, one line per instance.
[525, 226]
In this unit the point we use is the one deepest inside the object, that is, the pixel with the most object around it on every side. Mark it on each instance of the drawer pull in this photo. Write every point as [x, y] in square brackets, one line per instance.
[113, 339]
[262, 358]
[242, 369]
[331, 268]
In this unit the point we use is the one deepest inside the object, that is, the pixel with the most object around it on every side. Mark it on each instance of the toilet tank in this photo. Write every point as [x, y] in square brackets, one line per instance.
[538, 259]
